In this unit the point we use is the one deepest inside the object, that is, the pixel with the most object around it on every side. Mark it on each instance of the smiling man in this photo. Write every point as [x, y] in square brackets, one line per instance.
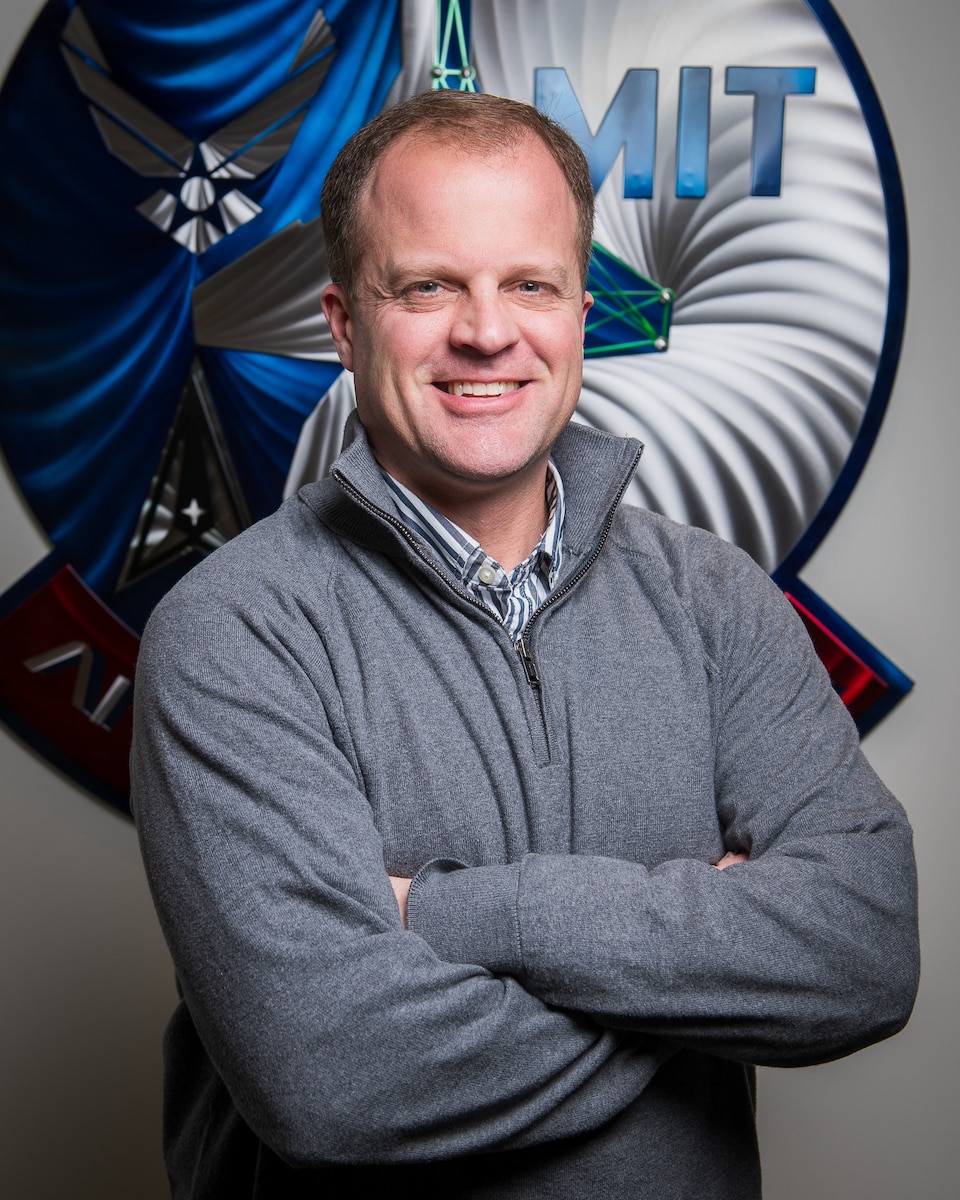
[465, 336]
[497, 828]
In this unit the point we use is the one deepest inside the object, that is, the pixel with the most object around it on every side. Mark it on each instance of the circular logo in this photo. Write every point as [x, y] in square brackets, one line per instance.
[167, 376]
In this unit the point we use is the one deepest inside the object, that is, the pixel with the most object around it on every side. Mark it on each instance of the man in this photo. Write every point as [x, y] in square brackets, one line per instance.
[461, 662]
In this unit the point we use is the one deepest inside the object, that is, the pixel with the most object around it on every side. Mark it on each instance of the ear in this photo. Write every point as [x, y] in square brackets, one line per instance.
[587, 305]
[337, 309]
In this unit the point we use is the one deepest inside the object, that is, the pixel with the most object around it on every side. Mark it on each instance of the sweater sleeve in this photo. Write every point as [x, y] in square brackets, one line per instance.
[341, 1037]
[805, 953]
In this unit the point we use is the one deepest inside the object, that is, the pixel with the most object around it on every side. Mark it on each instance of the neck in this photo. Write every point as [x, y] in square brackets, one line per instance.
[508, 529]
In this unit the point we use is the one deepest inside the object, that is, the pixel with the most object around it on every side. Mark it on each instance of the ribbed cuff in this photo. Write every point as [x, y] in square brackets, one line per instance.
[468, 914]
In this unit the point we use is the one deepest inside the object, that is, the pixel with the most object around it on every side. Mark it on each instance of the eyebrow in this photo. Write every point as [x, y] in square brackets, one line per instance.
[401, 274]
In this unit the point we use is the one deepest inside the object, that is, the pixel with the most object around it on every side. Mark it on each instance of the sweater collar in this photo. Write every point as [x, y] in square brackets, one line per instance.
[595, 466]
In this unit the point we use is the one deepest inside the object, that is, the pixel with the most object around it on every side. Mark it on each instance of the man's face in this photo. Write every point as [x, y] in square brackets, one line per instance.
[465, 332]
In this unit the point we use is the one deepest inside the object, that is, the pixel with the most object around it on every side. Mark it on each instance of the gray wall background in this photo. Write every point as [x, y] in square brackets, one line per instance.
[86, 985]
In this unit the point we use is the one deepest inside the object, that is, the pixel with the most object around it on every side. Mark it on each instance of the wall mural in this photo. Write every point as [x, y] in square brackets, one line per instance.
[167, 376]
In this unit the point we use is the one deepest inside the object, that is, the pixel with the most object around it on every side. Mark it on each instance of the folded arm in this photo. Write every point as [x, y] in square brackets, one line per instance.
[803, 953]
[340, 1037]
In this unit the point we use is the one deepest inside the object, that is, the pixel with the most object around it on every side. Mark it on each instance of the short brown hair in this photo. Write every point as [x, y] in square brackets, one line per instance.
[475, 120]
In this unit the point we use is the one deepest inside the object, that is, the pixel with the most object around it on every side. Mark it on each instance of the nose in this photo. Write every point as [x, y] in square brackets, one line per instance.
[484, 322]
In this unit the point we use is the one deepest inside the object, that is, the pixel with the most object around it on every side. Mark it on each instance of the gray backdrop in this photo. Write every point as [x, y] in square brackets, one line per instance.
[86, 983]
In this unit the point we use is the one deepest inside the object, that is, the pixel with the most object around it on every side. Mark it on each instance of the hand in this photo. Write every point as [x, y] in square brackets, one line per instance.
[400, 889]
[728, 860]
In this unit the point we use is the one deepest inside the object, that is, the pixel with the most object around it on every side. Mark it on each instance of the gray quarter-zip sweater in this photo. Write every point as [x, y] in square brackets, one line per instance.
[577, 1001]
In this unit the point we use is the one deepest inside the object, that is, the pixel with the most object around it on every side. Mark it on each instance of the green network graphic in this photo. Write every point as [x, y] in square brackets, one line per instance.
[631, 313]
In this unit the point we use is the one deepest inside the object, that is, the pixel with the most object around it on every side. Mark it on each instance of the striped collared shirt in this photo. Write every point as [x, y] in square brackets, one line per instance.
[512, 595]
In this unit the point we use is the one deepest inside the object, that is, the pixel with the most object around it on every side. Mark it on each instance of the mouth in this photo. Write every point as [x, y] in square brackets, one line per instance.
[474, 387]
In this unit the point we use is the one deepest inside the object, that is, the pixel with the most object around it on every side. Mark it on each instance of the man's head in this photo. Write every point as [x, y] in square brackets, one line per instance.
[463, 318]
[477, 123]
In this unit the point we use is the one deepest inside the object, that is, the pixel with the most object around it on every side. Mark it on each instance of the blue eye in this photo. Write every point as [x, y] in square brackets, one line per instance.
[530, 286]
[427, 288]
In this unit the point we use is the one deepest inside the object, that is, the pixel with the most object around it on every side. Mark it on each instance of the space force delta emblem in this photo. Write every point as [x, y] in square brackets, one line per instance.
[167, 377]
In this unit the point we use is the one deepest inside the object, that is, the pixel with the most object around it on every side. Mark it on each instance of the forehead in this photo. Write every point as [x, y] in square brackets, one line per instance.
[426, 196]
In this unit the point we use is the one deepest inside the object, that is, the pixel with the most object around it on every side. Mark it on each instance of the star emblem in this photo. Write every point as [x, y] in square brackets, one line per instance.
[193, 512]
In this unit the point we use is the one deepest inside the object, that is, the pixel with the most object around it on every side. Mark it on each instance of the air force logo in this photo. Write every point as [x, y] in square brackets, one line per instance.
[167, 376]
[200, 198]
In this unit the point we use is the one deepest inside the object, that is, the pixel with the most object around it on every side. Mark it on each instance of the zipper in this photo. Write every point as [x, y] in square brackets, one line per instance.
[529, 666]
[415, 546]
[522, 644]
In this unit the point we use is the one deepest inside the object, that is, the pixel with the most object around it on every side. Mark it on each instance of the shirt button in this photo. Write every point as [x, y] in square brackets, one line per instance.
[486, 574]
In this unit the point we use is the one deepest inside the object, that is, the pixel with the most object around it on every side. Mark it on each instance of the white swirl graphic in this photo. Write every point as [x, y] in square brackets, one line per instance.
[781, 301]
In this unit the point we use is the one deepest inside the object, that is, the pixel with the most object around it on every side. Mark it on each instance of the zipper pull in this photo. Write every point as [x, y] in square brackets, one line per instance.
[528, 664]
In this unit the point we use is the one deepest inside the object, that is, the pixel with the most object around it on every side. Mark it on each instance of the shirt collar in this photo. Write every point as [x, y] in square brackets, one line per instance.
[462, 554]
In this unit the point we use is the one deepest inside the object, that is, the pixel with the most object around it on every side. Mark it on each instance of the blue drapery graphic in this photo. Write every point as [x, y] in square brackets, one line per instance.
[96, 323]
[96, 336]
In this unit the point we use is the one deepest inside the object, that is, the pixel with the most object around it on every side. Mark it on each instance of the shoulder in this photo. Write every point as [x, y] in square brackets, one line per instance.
[693, 560]
[733, 602]
[269, 564]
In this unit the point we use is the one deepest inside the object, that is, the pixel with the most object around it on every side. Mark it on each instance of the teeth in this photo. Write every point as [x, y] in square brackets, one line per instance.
[468, 388]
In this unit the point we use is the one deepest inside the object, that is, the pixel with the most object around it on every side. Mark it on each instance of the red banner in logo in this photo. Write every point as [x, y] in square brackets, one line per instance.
[66, 669]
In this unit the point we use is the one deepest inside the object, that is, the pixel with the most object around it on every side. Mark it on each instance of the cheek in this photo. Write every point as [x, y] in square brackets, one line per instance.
[558, 329]
[563, 349]
[413, 351]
